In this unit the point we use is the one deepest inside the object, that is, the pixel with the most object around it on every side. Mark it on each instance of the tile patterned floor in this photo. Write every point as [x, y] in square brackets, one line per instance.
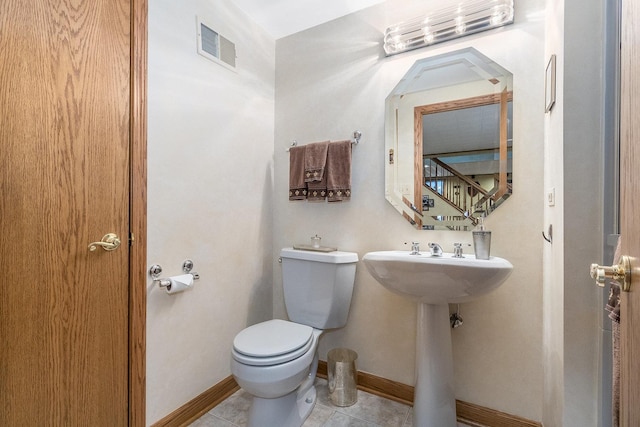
[369, 411]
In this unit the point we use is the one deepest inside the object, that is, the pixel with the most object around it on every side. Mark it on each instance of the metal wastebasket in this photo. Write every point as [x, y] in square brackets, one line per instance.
[342, 376]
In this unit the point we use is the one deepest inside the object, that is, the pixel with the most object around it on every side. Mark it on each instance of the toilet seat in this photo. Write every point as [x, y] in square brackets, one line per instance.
[272, 342]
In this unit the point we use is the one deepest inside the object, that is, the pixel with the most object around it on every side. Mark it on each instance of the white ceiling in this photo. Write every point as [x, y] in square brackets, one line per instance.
[281, 18]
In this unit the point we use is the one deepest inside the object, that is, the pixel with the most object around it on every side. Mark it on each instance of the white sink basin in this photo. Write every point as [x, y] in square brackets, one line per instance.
[437, 280]
[434, 282]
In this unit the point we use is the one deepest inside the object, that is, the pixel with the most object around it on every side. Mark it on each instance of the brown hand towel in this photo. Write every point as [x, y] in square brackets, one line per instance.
[317, 191]
[613, 307]
[315, 160]
[616, 386]
[297, 186]
[338, 171]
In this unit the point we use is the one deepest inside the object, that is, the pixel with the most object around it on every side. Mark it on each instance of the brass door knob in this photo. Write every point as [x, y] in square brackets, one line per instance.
[620, 273]
[109, 242]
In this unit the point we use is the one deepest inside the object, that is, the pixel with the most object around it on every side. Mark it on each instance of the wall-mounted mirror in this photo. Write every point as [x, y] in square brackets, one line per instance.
[448, 141]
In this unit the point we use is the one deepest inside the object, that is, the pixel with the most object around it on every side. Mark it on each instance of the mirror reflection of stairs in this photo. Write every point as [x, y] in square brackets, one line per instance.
[466, 195]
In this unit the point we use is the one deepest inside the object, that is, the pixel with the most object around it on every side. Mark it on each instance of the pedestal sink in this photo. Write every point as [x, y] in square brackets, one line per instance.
[434, 282]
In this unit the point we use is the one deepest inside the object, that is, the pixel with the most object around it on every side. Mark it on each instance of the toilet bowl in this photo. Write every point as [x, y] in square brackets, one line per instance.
[280, 378]
[276, 361]
[271, 370]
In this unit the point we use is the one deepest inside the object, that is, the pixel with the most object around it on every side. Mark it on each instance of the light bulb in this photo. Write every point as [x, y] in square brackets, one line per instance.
[428, 35]
[461, 27]
[497, 18]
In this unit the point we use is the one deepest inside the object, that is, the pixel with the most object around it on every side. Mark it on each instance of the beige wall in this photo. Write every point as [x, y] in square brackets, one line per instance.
[333, 79]
[573, 166]
[210, 195]
[553, 300]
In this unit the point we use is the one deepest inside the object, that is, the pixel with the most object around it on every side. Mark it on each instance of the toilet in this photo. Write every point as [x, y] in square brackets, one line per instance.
[276, 361]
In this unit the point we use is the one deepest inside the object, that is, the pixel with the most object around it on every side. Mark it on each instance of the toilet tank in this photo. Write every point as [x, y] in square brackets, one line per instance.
[318, 286]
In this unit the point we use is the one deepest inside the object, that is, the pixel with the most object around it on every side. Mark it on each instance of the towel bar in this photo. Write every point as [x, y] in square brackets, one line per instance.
[354, 141]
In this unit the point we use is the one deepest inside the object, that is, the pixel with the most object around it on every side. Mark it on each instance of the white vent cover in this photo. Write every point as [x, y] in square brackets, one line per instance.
[215, 47]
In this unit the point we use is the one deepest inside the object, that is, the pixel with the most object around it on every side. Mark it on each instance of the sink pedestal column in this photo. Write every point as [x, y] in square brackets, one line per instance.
[434, 403]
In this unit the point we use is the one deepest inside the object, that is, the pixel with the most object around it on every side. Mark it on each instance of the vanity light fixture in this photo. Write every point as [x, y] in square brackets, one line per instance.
[468, 17]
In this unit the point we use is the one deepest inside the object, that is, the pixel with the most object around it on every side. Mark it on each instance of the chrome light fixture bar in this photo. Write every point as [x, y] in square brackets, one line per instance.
[467, 17]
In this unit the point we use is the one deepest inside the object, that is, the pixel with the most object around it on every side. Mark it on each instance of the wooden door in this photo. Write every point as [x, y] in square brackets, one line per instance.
[630, 212]
[65, 126]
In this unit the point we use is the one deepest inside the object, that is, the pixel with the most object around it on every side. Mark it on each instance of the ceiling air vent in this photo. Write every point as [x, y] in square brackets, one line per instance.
[215, 47]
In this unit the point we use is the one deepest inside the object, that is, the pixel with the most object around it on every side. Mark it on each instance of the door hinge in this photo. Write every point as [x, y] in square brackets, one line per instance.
[131, 239]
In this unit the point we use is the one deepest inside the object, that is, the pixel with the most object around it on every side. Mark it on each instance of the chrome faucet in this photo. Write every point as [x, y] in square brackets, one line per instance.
[436, 249]
[415, 248]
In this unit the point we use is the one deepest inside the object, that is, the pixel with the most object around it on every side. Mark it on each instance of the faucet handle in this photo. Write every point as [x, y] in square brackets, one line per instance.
[457, 249]
[415, 248]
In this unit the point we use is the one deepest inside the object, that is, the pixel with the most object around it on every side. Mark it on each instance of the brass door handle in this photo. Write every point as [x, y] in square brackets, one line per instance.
[620, 273]
[109, 242]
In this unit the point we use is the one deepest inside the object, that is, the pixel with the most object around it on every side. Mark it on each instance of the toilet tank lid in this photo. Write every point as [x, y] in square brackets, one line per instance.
[335, 257]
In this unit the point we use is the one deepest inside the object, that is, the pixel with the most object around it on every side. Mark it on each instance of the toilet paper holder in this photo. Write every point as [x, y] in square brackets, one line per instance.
[156, 270]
